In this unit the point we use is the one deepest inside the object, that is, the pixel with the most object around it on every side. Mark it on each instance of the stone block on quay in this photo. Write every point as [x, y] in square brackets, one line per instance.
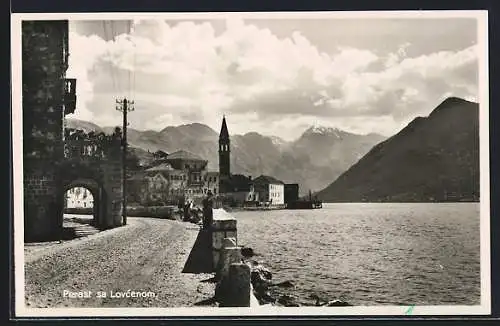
[218, 225]
[237, 288]
[228, 256]
[220, 214]
[217, 238]
[216, 258]
[232, 234]
[228, 242]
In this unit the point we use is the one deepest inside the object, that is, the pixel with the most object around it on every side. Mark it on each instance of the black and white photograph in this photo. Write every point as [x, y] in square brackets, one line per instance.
[229, 164]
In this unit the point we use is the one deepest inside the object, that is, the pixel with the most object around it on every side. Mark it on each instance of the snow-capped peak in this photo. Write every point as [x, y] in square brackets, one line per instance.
[322, 130]
[277, 141]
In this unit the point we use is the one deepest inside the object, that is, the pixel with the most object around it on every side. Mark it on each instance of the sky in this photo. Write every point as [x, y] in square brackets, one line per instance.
[277, 77]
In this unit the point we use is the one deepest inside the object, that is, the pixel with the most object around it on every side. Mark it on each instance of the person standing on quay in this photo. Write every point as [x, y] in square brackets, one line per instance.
[208, 210]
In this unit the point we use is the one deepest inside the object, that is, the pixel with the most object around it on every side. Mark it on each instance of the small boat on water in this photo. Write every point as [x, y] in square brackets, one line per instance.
[305, 204]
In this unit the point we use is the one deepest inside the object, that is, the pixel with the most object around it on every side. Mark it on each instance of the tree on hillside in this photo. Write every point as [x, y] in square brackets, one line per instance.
[132, 164]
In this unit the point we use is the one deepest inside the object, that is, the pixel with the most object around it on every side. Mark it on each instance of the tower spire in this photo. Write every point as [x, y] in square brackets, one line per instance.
[224, 158]
[224, 133]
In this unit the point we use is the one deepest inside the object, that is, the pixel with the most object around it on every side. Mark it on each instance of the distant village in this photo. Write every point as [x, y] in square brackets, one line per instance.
[182, 177]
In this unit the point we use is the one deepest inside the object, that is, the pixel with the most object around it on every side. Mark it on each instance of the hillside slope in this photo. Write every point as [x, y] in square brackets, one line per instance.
[316, 157]
[432, 159]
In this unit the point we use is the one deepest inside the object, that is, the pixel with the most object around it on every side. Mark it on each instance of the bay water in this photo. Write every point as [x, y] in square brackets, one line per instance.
[372, 253]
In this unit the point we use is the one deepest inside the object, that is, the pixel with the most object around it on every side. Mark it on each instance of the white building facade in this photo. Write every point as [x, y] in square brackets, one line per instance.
[276, 194]
[271, 191]
[79, 197]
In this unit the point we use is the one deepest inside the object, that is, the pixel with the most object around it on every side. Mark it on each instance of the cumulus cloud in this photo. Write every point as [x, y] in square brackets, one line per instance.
[187, 72]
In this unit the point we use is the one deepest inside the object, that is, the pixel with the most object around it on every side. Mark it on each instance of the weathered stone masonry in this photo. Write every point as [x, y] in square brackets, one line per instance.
[47, 173]
[93, 162]
[44, 64]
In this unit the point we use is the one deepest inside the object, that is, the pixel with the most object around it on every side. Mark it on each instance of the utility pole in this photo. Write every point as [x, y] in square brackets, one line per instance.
[124, 106]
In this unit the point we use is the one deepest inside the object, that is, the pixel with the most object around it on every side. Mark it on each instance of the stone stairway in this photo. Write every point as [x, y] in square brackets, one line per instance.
[77, 230]
[84, 230]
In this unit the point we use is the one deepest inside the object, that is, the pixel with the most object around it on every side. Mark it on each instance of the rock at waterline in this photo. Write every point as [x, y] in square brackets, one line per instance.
[337, 303]
[285, 284]
[260, 278]
[331, 303]
[247, 252]
[262, 272]
[288, 301]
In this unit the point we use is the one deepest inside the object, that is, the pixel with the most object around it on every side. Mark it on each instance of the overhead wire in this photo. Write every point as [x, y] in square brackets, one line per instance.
[113, 36]
[121, 87]
[133, 81]
[131, 68]
[108, 62]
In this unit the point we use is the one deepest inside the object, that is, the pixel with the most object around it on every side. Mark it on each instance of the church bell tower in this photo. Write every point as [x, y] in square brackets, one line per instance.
[224, 158]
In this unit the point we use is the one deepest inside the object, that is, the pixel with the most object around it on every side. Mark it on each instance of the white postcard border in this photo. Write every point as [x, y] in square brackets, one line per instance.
[22, 311]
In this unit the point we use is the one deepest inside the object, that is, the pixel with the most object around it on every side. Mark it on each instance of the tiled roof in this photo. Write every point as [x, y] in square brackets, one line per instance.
[160, 153]
[267, 179]
[184, 155]
[161, 167]
[240, 182]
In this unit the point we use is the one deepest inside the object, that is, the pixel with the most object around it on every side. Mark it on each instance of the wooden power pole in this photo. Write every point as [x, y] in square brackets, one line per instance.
[124, 106]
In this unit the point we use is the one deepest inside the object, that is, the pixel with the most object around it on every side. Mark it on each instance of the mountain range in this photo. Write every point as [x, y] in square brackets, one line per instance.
[434, 158]
[318, 155]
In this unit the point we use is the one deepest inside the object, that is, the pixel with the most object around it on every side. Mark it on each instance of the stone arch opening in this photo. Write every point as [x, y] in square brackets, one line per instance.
[81, 199]
[81, 176]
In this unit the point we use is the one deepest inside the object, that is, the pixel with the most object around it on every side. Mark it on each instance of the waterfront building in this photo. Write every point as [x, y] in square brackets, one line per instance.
[211, 182]
[158, 185]
[159, 155]
[291, 192]
[193, 165]
[177, 177]
[236, 188]
[240, 189]
[271, 190]
[195, 168]
[79, 197]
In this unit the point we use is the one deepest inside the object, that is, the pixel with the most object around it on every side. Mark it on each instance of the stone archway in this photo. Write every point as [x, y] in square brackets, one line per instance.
[99, 196]
[97, 178]
[53, 155]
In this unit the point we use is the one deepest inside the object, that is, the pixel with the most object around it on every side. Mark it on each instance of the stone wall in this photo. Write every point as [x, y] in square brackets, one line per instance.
[95, 160]
[47, 170]
[223, 226]
[106, 173]
[234, 287]
[44, 64]
[42, 214]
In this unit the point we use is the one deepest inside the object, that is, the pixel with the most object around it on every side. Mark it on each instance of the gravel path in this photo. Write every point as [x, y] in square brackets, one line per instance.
[146, 256]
